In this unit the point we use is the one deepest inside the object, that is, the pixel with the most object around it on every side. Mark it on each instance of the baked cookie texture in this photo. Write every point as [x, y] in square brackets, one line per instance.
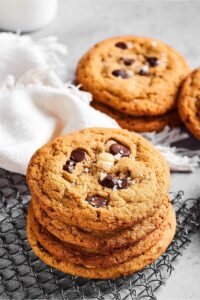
[100, 206]
[118, 172]
[130, 266]
[189, 102]
[64, 251]
[95, 241]
[140, 124]
[134, 75]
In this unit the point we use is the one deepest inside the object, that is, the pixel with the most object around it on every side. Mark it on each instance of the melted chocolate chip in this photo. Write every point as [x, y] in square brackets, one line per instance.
[69, 166]
[128, 61]
[97, 201]
[117, 148]
[120, 73]
[121, 45]
[77, 155]
[122, 183]
[109, 182]
[153, 61]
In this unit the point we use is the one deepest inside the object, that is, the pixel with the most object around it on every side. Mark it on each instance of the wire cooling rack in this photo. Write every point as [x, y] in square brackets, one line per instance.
[24, 276]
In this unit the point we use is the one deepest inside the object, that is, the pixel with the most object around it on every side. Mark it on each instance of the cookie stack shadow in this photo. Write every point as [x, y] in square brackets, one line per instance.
[100, 251]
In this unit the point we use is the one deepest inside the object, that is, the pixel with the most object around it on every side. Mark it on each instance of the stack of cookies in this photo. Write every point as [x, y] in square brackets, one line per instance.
[100, 206]
[134, 80]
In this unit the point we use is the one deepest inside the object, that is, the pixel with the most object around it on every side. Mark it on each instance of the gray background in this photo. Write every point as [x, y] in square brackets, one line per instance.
[80, 24]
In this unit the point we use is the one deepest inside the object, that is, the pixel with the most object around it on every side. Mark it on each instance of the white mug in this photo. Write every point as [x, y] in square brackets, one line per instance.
[26, 15]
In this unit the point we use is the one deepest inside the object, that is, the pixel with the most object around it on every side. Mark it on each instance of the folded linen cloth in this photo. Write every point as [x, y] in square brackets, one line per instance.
[36, 105]
[31, 115]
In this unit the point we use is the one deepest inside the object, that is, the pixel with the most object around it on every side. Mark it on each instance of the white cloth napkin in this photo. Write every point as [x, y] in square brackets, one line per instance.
[39, 106]
[36, 105]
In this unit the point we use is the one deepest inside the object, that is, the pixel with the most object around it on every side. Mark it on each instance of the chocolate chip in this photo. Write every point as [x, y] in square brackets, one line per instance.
[109, 182]
[121, 73]
[153, 61]
[97, 201]
[143, 73]
[69, 166]
[122, 183]
[77, 155]
[121, 45]
[128, 61]
[117, 148]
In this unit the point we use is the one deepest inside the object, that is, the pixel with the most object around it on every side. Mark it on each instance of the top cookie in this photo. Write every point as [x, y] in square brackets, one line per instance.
[135, 75]
[99, 178]
[189, 102]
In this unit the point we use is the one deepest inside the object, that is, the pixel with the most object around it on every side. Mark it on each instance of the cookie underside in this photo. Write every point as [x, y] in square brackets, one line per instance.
[140, 124]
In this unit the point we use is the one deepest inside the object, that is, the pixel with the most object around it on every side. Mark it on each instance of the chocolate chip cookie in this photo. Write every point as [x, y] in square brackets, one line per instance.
[95, 241]
[140, 124]
[189, 103]
[99, 179]
[121, 269]
[61, 250]
[135, 75]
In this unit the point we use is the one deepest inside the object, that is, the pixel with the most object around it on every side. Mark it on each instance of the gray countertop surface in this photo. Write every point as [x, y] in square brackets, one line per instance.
[80, 24]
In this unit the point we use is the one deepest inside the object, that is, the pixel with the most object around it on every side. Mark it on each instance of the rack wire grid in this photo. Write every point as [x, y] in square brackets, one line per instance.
[24, 276]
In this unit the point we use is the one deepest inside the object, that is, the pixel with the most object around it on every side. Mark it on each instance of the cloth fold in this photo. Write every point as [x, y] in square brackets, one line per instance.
[36, 105]
[33, 114]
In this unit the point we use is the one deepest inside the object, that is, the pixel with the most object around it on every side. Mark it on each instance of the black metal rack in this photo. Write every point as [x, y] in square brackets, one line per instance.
[24, 276]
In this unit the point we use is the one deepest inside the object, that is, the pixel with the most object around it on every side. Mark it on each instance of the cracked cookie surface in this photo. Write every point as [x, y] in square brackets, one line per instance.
[135, 75]
[115, 178]
[189, 102]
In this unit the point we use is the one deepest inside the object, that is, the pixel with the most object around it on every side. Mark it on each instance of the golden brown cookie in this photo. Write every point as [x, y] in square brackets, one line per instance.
[99, 178]
[135, 75]
[130, 266]
[96, 241]
[189, 102]
[62, 250]
[140, 124]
